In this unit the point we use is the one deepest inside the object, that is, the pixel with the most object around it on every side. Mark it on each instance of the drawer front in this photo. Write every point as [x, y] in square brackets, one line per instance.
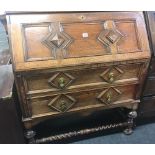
[84, 78]
[149, 87]
[105, 97]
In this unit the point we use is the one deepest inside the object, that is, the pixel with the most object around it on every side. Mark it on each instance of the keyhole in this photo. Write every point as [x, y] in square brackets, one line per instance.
[82, 17]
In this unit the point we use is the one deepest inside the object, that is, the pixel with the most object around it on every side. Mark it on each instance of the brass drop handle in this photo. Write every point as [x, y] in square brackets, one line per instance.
[61, 82]
[111, 77]
[63, 105]
[109, 96]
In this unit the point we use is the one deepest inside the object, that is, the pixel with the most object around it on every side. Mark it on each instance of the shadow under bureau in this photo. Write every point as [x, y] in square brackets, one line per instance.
[68, 62]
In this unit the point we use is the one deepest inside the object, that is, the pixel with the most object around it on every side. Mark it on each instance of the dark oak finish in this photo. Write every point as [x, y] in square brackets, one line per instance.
[79, 61]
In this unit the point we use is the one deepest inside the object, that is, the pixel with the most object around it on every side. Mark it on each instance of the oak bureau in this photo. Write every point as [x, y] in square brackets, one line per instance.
[68, 62]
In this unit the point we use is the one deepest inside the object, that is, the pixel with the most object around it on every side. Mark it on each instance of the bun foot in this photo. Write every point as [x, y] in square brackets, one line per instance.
[30, 134]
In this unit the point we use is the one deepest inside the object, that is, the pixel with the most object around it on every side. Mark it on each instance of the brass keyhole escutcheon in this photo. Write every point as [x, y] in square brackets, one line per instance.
[111, 77]
[82, 17]
[61, 82]
[63, 105]
[109, 97]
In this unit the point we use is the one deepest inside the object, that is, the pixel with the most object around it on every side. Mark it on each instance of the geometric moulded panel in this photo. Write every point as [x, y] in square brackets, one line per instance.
[111, 74]
[110, 36]
[109, 95]
[61, 80]
[62, 103]
[57, 41]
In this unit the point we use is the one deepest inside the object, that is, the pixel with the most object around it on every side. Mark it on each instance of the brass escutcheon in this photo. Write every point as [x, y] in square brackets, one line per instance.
[82, 17]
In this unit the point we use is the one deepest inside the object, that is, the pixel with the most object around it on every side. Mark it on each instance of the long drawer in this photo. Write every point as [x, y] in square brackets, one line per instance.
[66, 102]
[82, 78]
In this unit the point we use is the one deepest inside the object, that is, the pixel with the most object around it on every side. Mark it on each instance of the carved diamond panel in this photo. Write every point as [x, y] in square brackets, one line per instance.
[111, 74]
[62, 103]
[110, 35]
[61, 80]
[57, 39]
[109, 95]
